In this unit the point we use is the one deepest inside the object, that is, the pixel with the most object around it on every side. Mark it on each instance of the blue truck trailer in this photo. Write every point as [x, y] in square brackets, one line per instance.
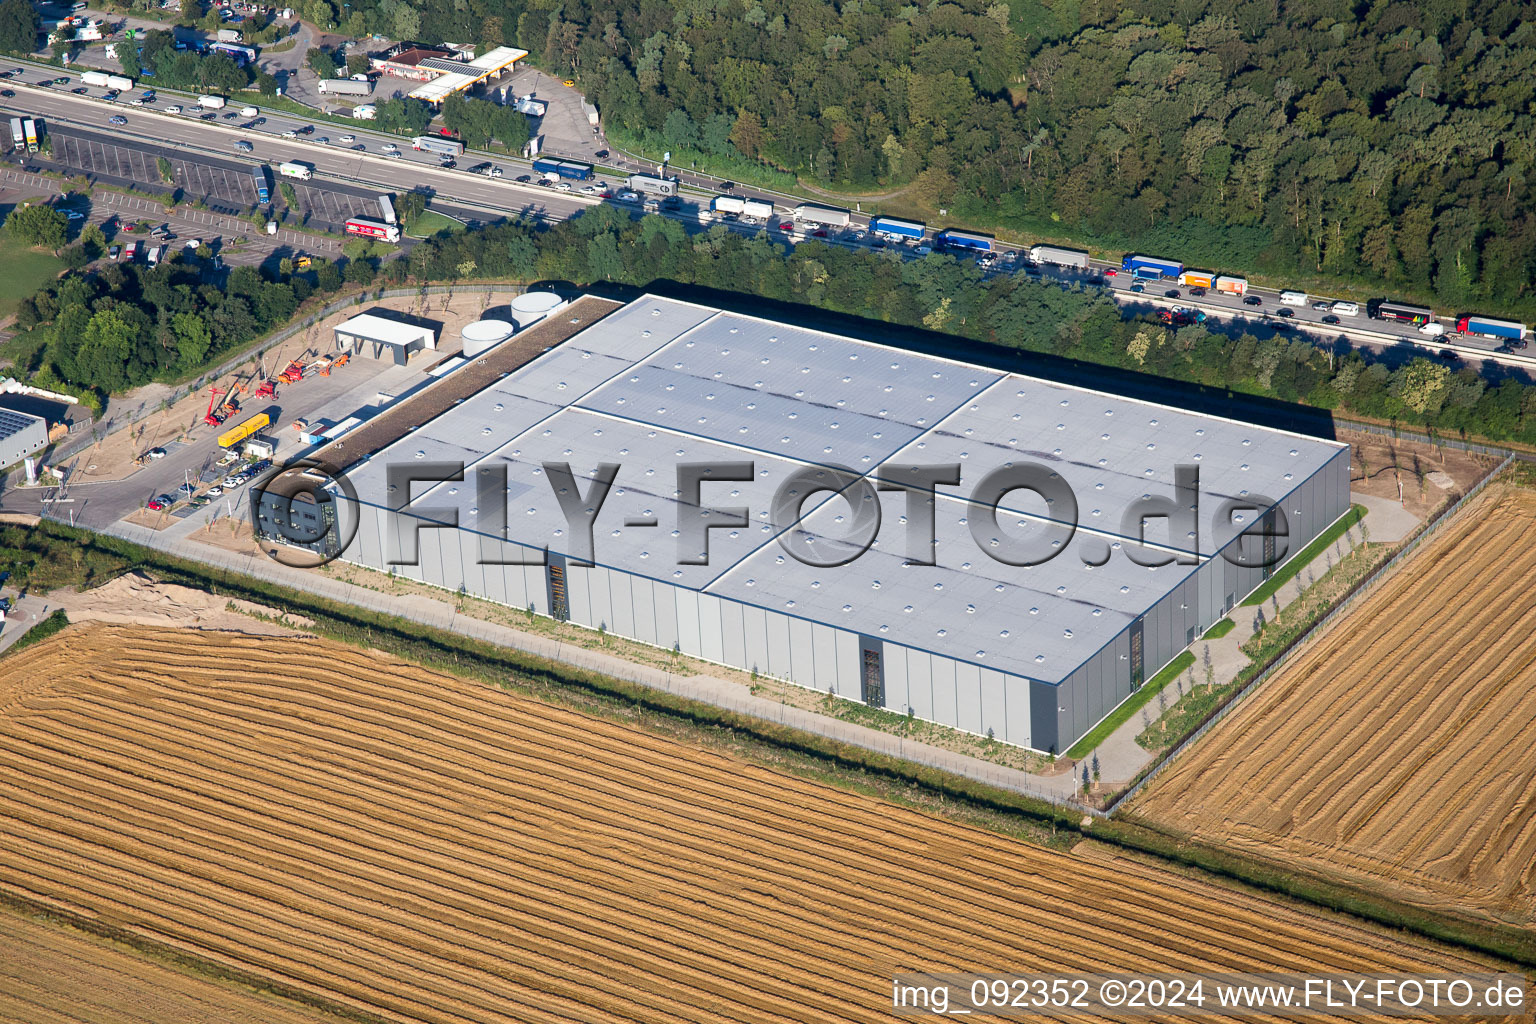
[1489, 328]
[963, 240]
[1148, 266]
[572, 169]
[898, 228]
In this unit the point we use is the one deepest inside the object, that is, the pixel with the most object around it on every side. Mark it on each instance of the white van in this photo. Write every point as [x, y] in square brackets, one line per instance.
[1432, 329]
[1347, 308]
[1293, 298]
[249, 111]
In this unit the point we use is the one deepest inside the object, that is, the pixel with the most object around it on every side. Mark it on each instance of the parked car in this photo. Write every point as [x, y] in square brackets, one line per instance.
[114, 252]
[157, 453]
[156, 505]
[233, 480]
[214, 491]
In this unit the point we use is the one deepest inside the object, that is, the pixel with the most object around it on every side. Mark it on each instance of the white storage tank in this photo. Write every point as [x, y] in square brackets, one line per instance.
[531, 307]
[484, 334]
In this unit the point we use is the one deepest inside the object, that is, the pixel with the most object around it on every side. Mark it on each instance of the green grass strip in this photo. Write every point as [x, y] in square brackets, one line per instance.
[1311, 551]
[1219, 630]
[1122, 714]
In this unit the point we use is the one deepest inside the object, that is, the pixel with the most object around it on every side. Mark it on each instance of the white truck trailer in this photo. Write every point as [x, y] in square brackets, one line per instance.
[1059, 257]
[211, 102]
[295, 169]
[827, 216]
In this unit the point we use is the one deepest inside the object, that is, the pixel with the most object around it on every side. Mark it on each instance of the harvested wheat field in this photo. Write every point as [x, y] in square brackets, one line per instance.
[1396, 752]
[422, 848]
[54, 975]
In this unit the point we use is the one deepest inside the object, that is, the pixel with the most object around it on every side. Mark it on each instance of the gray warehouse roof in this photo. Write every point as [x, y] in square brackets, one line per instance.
[662, 382]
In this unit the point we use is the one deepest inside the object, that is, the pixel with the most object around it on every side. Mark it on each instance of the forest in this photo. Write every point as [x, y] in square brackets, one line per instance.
[1386, 145]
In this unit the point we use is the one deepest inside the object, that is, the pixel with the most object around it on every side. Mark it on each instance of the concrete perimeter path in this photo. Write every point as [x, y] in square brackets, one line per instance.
[707, 689]
[1121, 757]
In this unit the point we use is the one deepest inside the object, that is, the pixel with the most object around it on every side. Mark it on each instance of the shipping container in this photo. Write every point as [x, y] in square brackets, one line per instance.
[828, 216]
[1059, 257]
[1232, 285]
[897, 228]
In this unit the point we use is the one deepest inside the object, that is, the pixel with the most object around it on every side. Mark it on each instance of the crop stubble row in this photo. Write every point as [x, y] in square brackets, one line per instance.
[1395, 753]
[429, 849]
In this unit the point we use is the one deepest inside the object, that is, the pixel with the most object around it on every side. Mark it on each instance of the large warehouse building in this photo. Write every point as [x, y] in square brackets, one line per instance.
[953, 629]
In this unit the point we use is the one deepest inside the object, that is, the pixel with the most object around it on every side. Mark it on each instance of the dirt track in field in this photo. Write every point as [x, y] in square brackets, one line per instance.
[427, 849]
[1397, 752]
[53, 975]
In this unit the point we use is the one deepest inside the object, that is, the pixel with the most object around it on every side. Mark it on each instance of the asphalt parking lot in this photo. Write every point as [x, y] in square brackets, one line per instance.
[331, 206]
[226, 187]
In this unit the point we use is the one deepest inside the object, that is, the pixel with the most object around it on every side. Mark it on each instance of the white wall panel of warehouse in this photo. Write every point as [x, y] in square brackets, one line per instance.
[1033, 655]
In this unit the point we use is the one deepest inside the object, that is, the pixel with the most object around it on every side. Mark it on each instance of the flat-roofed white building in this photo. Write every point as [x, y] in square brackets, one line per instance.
[21, 435]
[379, 335]
[944, 623]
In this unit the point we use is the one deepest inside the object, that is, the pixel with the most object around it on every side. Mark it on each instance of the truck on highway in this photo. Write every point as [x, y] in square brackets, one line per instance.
[1484, 327]
[1229, 285]
[827, 216]
[653, 185]
[963, 240]
[759, 208]
[235, 435]
[1059, 257]
[553, 167]
[102, 80]
[1197, 278]
[211, 102]
[1151, 266]
[29, 129]
[345, 87]
[295, 169]
[437, 144]
[18, 134]
[893, 228]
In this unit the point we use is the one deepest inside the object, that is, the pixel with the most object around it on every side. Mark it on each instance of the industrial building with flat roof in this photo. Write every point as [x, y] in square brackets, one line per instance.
[21, 435]
[1031, 654]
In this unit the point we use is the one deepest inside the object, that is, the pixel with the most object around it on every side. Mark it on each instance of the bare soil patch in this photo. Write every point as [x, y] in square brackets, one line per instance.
[135, 599]
[1424, 476]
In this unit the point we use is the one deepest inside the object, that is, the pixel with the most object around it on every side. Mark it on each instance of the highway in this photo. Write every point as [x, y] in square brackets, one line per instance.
[362, 161]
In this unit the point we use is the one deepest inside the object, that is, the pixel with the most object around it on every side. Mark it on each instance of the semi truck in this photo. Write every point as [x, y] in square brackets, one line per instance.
[1197, 278]
[1151, 266]
[827, 216]
[241, 55]
[366, 228]
[437, 144]
[235, 435]
[963, 240]
[387, 210]
[529, 106]
[345, 87]
[759, 208]
[18, 134]
[576, 171]
[893, 228]
[295, 169]
[1229, 285]
[259, 179]
[653, 185]
[1059, 257]
[1484, 327]
[211, 102]
[29, 129]
[102, 80]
